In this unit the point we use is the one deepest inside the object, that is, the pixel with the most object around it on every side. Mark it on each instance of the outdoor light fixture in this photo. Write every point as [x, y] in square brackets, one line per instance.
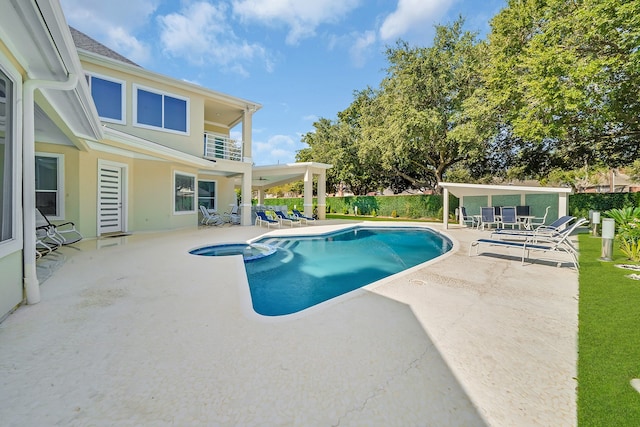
[608, 234]
[595, 220]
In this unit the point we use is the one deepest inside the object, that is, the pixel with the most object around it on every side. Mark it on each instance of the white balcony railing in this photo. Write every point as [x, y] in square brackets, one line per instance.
[218, 146]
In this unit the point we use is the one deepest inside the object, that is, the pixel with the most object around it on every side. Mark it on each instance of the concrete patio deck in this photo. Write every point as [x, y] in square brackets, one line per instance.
[135, 331]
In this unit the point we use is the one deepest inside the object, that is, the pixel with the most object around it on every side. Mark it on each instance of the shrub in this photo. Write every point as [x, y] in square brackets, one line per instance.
[628, 225]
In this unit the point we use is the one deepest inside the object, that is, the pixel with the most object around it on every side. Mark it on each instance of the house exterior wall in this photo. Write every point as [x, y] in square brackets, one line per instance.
[11, 261]
[192, 143]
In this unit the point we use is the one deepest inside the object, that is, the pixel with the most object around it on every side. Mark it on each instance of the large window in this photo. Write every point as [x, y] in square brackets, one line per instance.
[49, 173]
[184, 192]
[161, 110]
[207, 194]
[7, 145]
[108, 96]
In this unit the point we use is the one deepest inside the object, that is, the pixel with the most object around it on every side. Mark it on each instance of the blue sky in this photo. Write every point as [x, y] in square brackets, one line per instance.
[300, 59]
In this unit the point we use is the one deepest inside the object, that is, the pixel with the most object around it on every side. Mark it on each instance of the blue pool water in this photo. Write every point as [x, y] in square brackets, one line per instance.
[249, 252]
[307, 270]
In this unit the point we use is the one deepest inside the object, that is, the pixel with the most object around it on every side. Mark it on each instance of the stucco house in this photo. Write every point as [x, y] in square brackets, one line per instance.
[88, 136]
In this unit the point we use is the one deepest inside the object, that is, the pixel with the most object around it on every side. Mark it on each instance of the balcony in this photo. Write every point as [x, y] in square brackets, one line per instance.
[218, 146]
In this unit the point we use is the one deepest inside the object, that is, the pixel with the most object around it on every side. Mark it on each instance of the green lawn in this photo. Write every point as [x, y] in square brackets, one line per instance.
[608, 340]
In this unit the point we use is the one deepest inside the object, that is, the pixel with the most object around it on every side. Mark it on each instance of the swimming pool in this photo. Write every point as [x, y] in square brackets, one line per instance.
[308, 270]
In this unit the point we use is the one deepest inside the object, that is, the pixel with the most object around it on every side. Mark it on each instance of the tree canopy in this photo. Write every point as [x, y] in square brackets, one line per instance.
[553, 88]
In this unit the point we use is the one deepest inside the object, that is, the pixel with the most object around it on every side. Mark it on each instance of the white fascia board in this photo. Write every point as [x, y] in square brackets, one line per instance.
[160, 78]
[143, 146]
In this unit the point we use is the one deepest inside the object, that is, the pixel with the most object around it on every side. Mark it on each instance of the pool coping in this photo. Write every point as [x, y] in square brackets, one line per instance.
[245, 292]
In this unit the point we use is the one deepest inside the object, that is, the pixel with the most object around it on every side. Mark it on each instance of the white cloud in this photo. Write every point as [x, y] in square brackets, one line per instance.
[106, 21]
[413, 16]
[201, 34]
[361, 48]
[301, 17]
[277, 149]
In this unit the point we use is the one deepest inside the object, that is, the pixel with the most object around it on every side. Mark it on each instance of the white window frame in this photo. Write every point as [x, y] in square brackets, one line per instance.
[137, 87]
[15, 242]
[215, 199]
[60, 184]
[123, 106]
[195, 193]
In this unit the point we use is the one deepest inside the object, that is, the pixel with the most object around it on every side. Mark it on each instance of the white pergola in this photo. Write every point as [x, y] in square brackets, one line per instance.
[265, 177]
[461, 191]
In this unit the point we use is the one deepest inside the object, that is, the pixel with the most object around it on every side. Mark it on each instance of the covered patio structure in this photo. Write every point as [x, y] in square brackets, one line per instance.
[475, 196]
[265, 177]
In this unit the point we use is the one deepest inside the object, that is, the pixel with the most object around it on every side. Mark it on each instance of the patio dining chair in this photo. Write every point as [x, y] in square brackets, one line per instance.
[468, 219]
[488, 217]
[540, 221]
[508, 217]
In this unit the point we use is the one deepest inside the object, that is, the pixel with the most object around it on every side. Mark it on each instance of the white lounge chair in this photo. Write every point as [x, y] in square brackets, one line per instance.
[56, 234]
[232, 217]
[559, 243]
[302, 217]
[262, 218]
[210, 218]
[285, 218]
[546, 230]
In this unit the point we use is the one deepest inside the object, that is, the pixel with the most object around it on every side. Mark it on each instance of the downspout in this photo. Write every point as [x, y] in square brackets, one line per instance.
[31, 284]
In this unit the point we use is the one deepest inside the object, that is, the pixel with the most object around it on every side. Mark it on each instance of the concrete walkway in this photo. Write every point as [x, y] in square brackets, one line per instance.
[135, 331]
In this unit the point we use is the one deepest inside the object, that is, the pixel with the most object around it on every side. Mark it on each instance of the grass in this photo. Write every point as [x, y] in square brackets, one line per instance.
[608, 340]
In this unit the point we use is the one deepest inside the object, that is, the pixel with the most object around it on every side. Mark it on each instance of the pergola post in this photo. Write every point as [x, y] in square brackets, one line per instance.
[322, 194]
[308, 192]
[445, 208]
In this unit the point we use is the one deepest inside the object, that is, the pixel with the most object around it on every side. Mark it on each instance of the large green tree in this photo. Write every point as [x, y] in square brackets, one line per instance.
[336, 143]
[564, 77]
[417, 125]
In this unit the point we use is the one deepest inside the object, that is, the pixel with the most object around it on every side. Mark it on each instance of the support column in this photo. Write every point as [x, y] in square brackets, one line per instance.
[245, 204]
[562, 205]
[322, 194]
[308, 193]
[445, 208]
[30, 278]
[247, 134]
[260, 196]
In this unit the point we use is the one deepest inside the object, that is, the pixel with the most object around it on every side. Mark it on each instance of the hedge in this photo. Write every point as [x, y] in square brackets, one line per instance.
[413, 206]
[430, 206]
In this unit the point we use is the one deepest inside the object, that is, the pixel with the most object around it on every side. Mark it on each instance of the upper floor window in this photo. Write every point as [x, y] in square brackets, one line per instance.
[161, 110]
[108, 96]
[49, 173]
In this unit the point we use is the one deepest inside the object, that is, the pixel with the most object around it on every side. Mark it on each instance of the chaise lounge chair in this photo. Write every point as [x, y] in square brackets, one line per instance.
[558, 243]
[210, 218]
[285, 218]
[262, 218]
[545, 230]
[232, 217]
[54, 235]
[302, 217]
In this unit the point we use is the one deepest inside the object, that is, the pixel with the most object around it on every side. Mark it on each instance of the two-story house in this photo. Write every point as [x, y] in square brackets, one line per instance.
[90, 137]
